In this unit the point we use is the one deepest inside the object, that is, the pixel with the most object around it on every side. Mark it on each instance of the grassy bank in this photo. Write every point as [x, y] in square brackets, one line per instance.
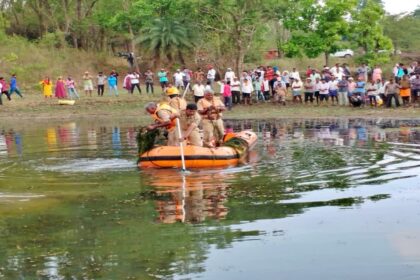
[33, 107]
[32, 61]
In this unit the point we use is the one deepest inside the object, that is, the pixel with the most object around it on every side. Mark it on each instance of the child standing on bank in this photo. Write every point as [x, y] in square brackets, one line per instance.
[71, 88]
[227, 95]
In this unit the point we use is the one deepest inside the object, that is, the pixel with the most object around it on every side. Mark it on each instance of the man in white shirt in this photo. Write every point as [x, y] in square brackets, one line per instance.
[314, 75]
[333, 90]
[229, 75]
[211, 74]
[247, 90]
[324, 88]
[198, 90]
[134, 81]
[294, 74]
[208, 87]
[337, 72]
[261, 71]
[178, 79]
[235, 88]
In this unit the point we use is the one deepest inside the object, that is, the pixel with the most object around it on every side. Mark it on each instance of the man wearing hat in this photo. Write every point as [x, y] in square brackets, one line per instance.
[173, 98]
[210, 109]
[87, 84]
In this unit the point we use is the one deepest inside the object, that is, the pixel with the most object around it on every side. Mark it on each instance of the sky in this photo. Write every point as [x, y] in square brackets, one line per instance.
[400, 6]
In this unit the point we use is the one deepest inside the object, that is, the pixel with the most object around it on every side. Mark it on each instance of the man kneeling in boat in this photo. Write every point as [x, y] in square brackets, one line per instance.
[190, 120]
[210, 108]
[165, 117]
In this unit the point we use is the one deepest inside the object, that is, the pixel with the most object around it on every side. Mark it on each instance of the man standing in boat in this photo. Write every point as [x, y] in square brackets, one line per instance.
[165, 117]
[210, 108]
[190, 120]
[174, 100]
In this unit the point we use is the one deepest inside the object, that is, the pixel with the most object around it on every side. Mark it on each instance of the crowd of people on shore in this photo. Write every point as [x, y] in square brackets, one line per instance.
[337, 85]
[214, 94]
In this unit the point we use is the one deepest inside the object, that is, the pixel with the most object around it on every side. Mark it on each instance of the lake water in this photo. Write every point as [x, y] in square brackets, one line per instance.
[319, 199]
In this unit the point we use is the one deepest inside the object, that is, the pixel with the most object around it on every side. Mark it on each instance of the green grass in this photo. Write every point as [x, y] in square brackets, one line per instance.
[33, 61]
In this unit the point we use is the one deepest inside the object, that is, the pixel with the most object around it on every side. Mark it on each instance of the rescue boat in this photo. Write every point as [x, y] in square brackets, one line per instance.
[230, 153]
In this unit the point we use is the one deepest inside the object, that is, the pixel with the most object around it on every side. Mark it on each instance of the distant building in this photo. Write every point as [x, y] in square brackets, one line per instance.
[271, 54]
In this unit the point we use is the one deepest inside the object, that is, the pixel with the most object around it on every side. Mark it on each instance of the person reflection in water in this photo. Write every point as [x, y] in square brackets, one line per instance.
[116, 141]
[204, 197]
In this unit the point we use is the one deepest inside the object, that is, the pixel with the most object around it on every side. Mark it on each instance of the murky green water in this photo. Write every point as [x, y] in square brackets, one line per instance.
[332, 199]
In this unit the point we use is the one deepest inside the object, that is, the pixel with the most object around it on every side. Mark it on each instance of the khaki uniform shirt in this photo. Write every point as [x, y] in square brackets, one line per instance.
[186, 121]
[204, 103]
[178, 103]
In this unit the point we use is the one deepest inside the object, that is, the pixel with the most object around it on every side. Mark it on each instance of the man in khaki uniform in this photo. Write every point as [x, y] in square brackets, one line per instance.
[210, 108]
[190, 120]
[178, 103]
[165, 117]
[173, 98]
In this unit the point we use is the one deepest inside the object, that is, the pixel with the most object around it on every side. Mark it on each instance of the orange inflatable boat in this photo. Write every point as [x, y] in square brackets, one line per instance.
[229, 154]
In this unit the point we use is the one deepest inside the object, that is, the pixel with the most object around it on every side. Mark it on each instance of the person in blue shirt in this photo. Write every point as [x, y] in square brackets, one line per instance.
[400, 73]
[361, 89]
[112, 83]
[163, 78]
[14, 87]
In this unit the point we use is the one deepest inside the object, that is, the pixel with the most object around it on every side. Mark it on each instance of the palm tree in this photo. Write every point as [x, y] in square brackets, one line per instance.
[167, 38]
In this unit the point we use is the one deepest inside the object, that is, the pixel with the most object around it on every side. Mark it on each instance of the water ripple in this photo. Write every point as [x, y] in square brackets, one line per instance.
[87, 165]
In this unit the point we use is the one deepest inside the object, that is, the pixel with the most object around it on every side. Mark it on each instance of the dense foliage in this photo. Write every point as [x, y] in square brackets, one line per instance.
[210, 31]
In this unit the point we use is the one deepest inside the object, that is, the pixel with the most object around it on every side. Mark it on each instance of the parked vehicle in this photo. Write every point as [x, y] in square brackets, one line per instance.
[390, 52]
[343, 53]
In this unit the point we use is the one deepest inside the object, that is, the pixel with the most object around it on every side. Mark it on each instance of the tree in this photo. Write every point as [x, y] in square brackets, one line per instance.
[404, 31]
[166, 37]
[367, 29]
[317, 27]
[238, 21]
[367, 32]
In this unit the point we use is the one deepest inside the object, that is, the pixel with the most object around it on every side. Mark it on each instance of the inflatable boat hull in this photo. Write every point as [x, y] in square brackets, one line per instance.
[198, 157]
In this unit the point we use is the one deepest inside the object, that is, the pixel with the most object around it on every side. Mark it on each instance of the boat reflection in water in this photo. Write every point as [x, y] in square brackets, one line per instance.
[190, 198]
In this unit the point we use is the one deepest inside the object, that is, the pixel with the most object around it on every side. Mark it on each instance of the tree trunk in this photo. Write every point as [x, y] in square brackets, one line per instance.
[75, 41]
[79, 23]
[281, 37]
[239, 61]
[101, 46]
[170, 60]
[156, 60]
[181, 57]
[133, 48]
[113, 48]
[327, 58]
